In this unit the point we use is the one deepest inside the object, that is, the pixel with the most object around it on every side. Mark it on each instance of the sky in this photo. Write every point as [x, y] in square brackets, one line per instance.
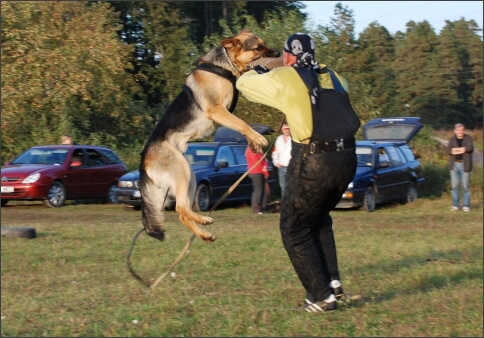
[394, 15]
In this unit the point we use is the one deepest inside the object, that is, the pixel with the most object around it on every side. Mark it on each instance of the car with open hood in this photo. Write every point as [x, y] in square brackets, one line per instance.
[56, 173]
[388, 169]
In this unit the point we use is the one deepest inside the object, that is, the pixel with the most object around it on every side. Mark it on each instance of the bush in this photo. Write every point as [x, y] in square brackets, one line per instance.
[131, 155]
[437, 180]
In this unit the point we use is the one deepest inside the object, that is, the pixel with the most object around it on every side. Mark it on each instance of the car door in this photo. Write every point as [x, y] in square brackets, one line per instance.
[245, 187]
[384, 178]
[77, 175]
[400, 174]
[99, 176]
[224, 176]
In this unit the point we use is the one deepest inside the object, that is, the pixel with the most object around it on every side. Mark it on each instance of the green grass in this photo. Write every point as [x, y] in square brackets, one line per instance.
[419, 267]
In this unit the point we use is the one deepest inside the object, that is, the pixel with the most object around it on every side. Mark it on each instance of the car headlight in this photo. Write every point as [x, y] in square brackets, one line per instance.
[31, 178]
[350, 185]
[125, 184]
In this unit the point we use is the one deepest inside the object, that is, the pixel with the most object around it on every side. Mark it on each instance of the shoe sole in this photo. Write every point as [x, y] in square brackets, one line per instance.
[338, 292]
[348, 300]
[327, 307]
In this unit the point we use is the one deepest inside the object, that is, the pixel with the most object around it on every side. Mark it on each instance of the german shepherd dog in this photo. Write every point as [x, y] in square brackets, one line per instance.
[209, 95]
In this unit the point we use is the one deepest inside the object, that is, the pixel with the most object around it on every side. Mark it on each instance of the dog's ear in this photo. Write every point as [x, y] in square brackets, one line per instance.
[231, 43]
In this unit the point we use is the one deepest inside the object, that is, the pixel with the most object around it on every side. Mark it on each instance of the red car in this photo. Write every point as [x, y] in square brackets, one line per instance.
[57, 173]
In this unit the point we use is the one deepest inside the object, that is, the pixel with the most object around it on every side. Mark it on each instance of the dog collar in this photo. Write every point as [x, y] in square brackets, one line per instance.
[225, 73]
[230, 61]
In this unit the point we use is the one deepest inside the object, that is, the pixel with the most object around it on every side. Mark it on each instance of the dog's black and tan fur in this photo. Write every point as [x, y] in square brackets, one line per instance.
[206, 98]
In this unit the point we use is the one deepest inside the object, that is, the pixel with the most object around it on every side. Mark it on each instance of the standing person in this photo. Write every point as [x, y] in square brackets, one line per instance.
[66, 139]
[259, 175]
[460, 150]
[323, 123]
[282, 155]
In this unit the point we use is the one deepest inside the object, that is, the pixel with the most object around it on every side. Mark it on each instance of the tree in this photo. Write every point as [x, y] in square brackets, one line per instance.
[417, 67]
[64, 71]
[170, 53]
[371, 67]
[205, 17]
[461, 50]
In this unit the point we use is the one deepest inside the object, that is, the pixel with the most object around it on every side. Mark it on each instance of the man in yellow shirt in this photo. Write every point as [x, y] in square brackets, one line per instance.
[316, 104]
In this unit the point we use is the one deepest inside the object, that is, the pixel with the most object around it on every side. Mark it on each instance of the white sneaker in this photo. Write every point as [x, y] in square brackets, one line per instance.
[466, 209]
[454, 208]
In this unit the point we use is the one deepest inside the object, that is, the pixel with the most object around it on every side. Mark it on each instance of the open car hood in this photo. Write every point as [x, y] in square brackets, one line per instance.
[224, 134]
[392, 129]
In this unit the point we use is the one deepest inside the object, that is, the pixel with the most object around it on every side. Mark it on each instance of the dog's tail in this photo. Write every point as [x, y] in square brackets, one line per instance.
[152, 202]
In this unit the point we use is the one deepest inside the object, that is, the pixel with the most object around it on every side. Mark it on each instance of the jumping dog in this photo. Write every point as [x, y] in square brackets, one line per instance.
[209, 95]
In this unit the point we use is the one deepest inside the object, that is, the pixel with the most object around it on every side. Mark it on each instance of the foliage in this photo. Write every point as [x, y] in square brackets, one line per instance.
[106, 71]
[64, 70]
[437, 179]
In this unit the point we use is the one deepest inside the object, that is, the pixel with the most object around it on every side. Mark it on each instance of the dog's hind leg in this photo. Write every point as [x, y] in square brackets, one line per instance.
[184, 186]
[200, 233]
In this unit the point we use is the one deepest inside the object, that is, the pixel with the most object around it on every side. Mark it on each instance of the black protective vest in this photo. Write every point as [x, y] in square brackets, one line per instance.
[333, 115]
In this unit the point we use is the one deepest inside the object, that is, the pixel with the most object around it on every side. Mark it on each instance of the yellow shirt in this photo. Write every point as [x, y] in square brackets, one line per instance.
[282, 88]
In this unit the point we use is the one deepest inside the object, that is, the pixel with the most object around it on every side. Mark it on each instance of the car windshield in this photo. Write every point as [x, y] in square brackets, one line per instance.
[364, 156]
[51, 156]
[200, 155]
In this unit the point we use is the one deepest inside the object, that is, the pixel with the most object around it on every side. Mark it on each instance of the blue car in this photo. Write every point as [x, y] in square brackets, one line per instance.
[388, 169]
[217, 166]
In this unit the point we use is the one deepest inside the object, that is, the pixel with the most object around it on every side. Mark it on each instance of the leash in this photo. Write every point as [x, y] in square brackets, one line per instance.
[192, 238]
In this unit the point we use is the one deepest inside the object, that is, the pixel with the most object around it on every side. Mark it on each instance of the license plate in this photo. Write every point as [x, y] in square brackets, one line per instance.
[136, 194]
[7, 189]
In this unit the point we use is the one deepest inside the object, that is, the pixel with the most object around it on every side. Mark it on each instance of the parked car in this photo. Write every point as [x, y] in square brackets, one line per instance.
[56, 173]
[217, 166]
[387, 168]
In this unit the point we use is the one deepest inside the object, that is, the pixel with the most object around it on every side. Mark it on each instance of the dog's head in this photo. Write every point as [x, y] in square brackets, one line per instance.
[245, 48]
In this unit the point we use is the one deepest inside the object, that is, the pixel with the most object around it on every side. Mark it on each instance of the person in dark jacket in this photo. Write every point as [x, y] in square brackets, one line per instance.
[460, 151]
[316, 105]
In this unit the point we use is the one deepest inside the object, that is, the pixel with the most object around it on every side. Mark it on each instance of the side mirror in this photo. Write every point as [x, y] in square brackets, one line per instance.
[222, 164]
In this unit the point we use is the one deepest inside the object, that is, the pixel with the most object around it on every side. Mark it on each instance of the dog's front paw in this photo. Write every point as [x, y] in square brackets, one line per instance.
[209, 238]
[257, 149]
[206, 220]
[257, 142]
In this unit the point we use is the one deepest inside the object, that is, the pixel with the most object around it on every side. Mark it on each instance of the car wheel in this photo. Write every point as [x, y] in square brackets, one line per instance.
[56, 196]
[369, 200]
[4, 202]
[412, 194]
[112, 197]
[202, 198]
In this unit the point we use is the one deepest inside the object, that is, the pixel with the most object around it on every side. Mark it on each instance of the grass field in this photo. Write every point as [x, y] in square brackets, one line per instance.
[419, 267]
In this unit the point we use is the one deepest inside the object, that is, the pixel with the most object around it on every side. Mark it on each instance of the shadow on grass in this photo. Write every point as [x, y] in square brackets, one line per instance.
[427, 283]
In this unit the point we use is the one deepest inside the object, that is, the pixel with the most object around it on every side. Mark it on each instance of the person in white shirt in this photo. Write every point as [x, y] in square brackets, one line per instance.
[282, 155]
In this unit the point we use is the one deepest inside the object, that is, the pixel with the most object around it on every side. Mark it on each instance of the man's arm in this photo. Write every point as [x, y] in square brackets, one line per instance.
[458, 150]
